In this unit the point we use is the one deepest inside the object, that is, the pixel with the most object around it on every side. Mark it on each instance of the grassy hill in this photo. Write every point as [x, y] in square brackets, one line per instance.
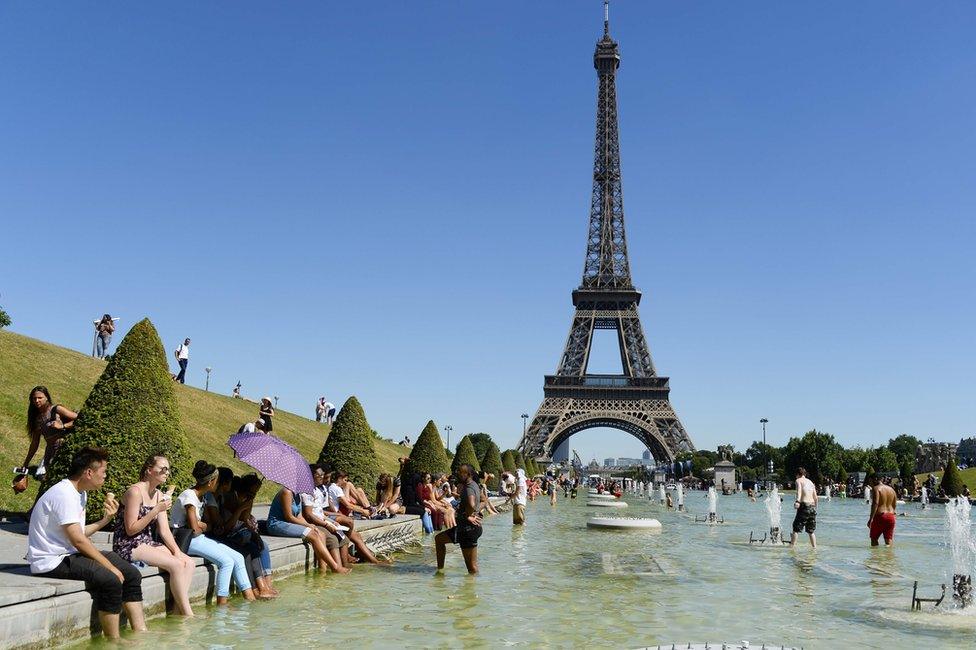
[208, 418]
[968, 477]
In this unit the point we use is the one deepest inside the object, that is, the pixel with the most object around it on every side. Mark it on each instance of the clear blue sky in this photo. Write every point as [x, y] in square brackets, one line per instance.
[390, 200]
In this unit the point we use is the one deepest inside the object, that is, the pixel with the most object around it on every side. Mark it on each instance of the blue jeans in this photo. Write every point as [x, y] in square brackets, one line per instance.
[228, 561]
[282, 528]
[101, 345]
[182, 376]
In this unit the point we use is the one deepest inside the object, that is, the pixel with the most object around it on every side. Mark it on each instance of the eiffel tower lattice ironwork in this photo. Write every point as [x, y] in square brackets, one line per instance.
[637, 400]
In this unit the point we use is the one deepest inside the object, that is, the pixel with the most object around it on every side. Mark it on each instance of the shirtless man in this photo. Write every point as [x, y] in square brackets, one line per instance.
[882, 519]
[806, 508]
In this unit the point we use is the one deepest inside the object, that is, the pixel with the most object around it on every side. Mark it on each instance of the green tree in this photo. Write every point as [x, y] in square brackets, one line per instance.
[4, 319]
[883, 459]
[480, 442]
[132, 411]
[464, 454]
[818, 452]
[491, 462]
[952, 479]
[349, 446]
[759, 453]
[904, 447]
[906, 472]
[855, 459]
[428, 454]
[842, 475]
[519, 460]
[508, 461]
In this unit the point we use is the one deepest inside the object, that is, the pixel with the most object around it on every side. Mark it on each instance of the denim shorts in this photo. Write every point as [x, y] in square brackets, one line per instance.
[280, 528]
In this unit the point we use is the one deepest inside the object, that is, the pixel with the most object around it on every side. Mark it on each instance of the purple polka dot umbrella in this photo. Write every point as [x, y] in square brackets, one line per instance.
[275, 459]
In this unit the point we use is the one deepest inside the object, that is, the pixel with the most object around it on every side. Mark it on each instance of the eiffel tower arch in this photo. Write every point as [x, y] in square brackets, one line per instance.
[637, 400]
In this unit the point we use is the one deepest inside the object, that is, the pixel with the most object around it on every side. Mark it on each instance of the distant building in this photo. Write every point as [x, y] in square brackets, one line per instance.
[646, 455]
[629, 462]
[609, 462]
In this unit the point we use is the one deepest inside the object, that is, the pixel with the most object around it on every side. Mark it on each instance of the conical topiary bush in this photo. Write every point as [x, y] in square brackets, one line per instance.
[491, 462]
[464, 454]
[131, 411]
[952, 479]
[508, 461]
[520, 460]
[349, 446]
[428, 455]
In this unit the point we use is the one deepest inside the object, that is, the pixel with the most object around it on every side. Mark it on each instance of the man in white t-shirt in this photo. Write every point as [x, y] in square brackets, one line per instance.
[252, 427]
[183, 358]
[329, 409]
[520, 498]
[58, 544]
[337, 501]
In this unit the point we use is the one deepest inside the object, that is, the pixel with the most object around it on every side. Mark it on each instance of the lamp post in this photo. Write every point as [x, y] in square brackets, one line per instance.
[765, 451]
[276, 401]
[448, 428]
[208, 369]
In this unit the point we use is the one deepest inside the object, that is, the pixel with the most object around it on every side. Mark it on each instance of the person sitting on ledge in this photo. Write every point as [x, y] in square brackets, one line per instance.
[188, 515]
[58, 545]
[356, 503]
[486, 505]
[314, 505]
[388, 495]
[222, 512]
[285, 520]
[334, 480]
[142, 518]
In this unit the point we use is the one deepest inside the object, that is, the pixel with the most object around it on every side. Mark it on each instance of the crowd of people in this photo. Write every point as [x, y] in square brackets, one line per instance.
[211, 518]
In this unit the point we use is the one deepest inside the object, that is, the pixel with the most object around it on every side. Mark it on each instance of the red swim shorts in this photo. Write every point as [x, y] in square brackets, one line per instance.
[883, 524]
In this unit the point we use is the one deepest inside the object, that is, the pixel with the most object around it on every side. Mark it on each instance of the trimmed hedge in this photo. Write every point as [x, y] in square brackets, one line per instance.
[520, 460]
[951, 479]
[464, 454]
[491, 462]
[349, 446]
[132, 411]
[508, 461]
[428, 455]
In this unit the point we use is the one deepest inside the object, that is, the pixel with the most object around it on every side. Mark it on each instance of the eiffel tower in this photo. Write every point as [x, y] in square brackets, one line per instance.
[637, 400]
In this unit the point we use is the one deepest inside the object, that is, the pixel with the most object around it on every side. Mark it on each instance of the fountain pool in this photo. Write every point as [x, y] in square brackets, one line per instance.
[556, 583]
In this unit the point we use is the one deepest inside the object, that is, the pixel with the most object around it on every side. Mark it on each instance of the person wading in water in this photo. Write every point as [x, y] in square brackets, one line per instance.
[806, 508]
[468, 529]
[882, 518]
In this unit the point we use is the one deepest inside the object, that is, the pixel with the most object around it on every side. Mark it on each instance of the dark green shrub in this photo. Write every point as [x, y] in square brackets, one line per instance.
[520, 460]
[428, 455]
[349, 446]
[952, 479]
[508, 461]
[131, 411]
[464, 454]
[4, 319]
[480, 442]
[491, 462]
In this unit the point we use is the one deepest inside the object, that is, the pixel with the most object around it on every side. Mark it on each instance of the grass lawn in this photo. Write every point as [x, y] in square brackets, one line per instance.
[968, 477]
[208, 418]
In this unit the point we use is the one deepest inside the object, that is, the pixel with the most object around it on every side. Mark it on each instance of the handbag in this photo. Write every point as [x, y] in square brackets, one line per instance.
[183, 537]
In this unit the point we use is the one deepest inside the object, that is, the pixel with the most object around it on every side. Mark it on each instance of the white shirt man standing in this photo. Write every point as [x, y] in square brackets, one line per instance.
[183, 358]
[806, 508]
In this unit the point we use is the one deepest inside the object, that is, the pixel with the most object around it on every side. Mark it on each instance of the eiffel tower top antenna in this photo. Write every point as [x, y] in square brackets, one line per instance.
[606, 17]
